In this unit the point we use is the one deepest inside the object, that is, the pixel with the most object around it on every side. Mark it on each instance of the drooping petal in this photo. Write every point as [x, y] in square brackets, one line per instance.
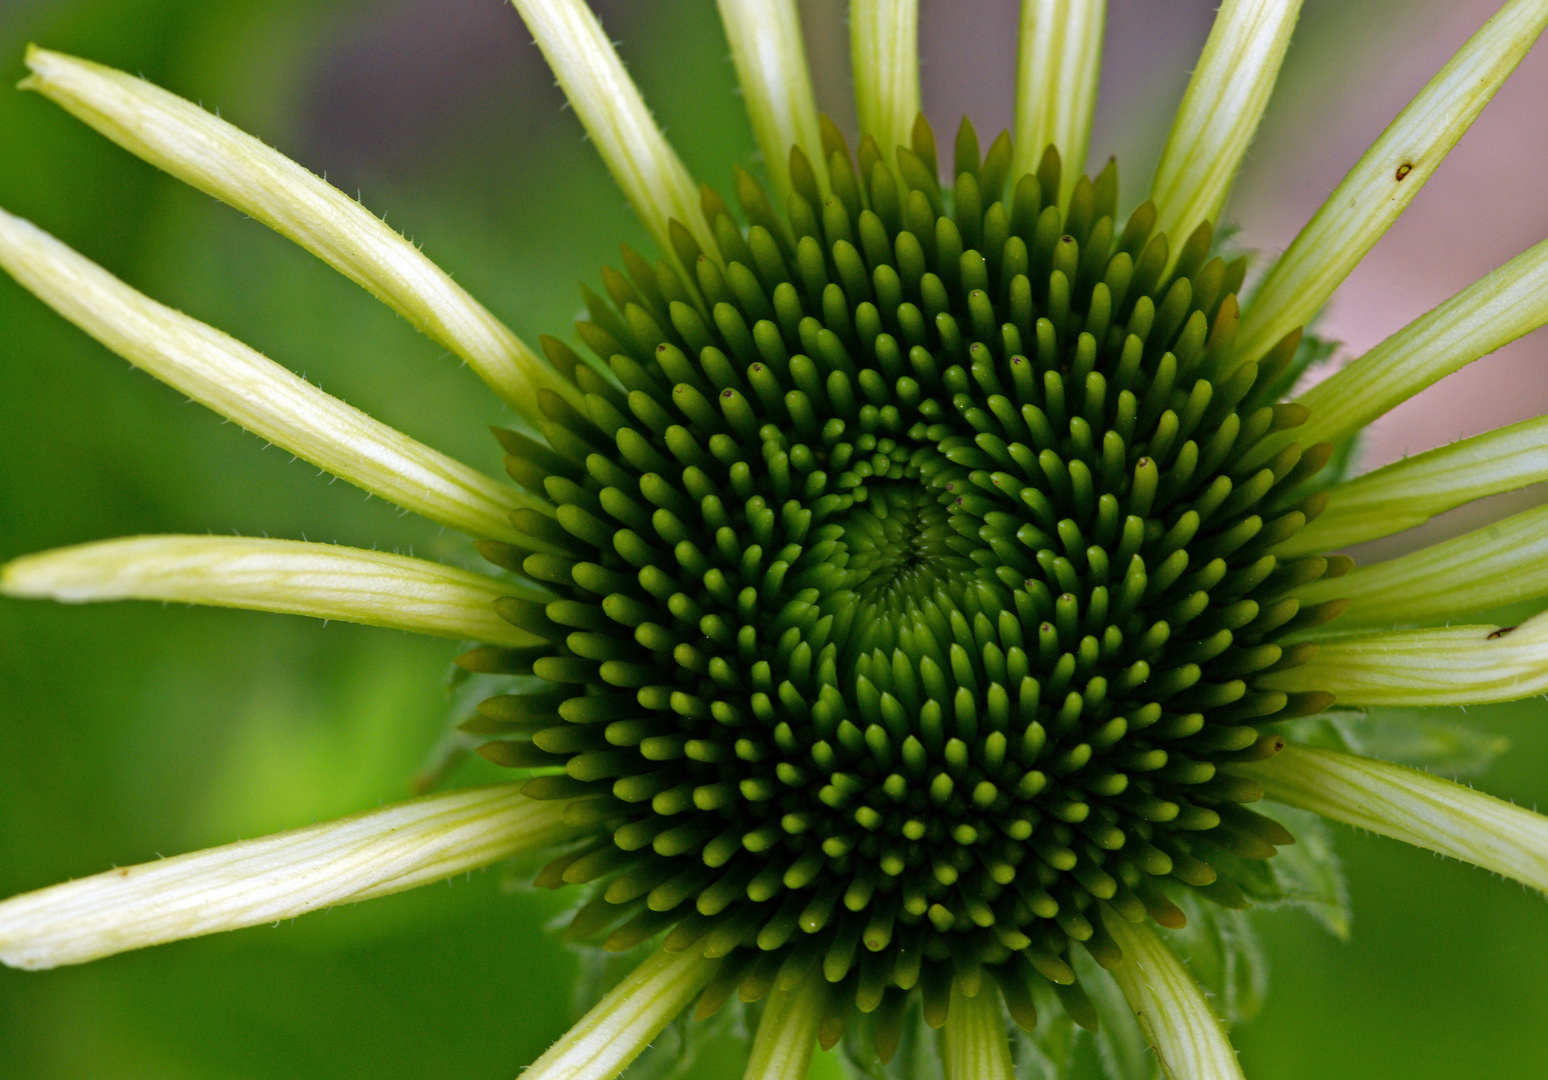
[1386, 178]
[884, 53]
[787, 1033]
[973, 1041]
[1188, 1038]
[1453, 665]
[1492, 312]
[1057, 64]
[275, 877]
[1409, 805]
[624, 1022]
[221, 373]
[1498, 564]
[290, 576]
[1219, 113]
[205, 152]
[1410, 492]
[770, 59]
[608, 103]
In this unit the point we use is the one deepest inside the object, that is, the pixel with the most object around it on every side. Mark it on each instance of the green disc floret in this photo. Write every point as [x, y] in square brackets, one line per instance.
[910, 593]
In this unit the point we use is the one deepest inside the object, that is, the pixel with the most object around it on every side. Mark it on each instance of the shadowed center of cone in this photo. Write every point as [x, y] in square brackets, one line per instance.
[909, 587]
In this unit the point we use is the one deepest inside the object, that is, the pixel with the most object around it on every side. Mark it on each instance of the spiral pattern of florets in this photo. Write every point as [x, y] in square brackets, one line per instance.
[912, 574]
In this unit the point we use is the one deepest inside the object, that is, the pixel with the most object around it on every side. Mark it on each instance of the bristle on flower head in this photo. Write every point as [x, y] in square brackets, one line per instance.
[916, 593]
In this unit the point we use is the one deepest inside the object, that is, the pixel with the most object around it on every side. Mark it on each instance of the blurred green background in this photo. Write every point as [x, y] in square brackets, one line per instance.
[132, 730]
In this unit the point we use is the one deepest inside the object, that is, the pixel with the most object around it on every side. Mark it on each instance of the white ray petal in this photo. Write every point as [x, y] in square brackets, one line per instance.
[624, 1022]
[1410, 492]
[221, 373]
[787, 1033]
[1219, 113]
[205, 152]
[1453, 665]
[608, 103]
[974, 1045]
[1498, 564]
[275, 877]
[1189, 1040]
[1491, 312]
[1386, 178]
[884, 53]
[1058, 61]
[321, 580]
[1406, 804]
[770, 59]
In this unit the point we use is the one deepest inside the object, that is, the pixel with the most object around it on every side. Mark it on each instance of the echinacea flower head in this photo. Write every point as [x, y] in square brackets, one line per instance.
[914, 601]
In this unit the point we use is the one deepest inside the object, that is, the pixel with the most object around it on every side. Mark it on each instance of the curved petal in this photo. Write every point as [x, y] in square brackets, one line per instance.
[770, 59]
[1412, 491]
[1491, 312]
[275, 877]
[608, 103]
[1386, 178]
[974, 1045]
[1406, 804]
[1058, 61]
[1453, 665]
[1189, 1040]
[884, 53]
[622, 1024]
[222, 374]
[787, 1033]
[321, 580]
[205, 152]
[1219, 113]
[1498, 564]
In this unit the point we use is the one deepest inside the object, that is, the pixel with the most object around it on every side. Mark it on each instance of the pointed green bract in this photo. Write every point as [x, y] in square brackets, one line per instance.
[1182, 1028]
[206, 152]
[1409, 492]
[624, 1022]
[277, 877]
[222, 374]
[608, 103]
[1058, 61]
[1499, 564]
[770, 59]
[1454, 665]
[884, 52]
[1493, 311]
[1415, 807]
[1220, 112]
[320, 580]
[1387, 177]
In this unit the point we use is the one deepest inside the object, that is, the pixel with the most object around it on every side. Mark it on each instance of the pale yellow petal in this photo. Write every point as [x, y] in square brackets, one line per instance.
[1453, 665]
[222, 374]
[204, 151]
[1058, 61]
[320, 580]
[1189, 1040]
[642, 162]
[624, 1022]
[275, 877]
[1406, 804]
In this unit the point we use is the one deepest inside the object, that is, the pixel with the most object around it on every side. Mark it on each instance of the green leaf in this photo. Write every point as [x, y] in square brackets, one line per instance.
[1222, 949]
[1308, 873]
[1429, 739]
[1049, 1052]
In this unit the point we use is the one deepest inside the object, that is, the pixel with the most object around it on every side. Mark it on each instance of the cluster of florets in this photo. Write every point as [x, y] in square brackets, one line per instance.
[909, 589]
